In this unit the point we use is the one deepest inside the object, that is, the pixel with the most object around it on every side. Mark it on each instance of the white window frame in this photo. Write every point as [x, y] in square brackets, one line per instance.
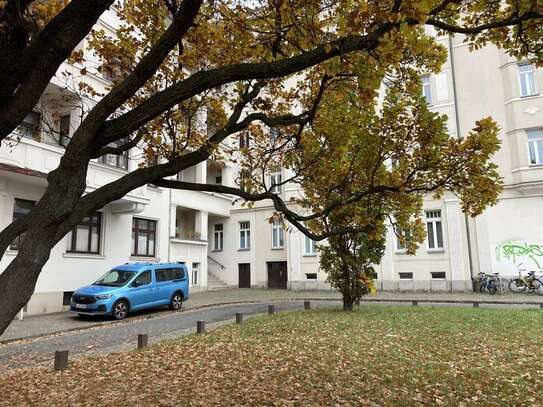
[245, 231]
[218, 238]
[310, 247]
[277, 235]
[524, 76]
[195, 272]
[276, 178]
[427, 85]
[434, 220]
[398, 247]
[534, 142]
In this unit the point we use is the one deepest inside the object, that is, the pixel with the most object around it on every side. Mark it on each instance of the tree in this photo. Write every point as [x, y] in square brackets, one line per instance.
[380, 160]
[237, 57]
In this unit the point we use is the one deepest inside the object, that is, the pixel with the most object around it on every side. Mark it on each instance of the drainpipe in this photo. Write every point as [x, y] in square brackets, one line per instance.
[169, 223]
[458, 135]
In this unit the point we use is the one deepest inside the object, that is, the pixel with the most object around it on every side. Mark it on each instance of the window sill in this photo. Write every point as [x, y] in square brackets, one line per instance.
[400, 251]
[435, 250]
[83, 256]
[244, 250]
[529, 96]
[309, 255]
[216, 251]
[144, 258]
[278, 248]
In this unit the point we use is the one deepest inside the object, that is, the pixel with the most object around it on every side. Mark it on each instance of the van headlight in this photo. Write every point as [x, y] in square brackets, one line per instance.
[103, 296]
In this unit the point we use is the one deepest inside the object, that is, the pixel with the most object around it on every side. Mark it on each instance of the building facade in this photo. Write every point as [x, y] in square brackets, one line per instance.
[227, 244]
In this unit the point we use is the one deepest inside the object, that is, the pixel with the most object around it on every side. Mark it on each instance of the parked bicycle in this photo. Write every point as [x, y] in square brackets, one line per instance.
[530, 283]
[489, 282]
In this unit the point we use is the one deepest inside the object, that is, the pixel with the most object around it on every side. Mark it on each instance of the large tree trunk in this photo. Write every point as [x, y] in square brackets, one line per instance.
[50, 223]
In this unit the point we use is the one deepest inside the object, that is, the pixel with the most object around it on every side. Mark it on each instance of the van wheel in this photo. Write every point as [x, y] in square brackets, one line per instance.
[176, 301]
[120, 310]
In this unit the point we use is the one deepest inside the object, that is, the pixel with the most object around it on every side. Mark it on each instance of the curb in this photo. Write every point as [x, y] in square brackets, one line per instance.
[152, 316]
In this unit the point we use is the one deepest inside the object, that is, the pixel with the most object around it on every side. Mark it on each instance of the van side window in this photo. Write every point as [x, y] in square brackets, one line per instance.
[144, 278]
[169, 274]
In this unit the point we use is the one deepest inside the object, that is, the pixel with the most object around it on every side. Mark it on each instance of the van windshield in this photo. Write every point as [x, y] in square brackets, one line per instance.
[115, 278]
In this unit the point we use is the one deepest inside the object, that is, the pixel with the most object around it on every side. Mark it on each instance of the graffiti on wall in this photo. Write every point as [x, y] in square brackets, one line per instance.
[517, 256]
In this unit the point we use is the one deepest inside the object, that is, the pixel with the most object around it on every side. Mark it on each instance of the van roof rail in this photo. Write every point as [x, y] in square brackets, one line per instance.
[180, 262]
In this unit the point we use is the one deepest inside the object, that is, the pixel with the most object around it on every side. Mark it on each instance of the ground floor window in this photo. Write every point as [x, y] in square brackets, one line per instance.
[21, 208]
[311, 276]
[144, 237]
[195, 273]
[85, 237]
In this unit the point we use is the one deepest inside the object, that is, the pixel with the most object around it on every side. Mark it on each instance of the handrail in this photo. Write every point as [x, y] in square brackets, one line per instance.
[222, 266]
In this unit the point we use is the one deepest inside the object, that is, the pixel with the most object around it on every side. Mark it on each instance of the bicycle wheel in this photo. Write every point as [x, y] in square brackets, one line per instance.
[492, 289]
[538, 286]
[517, 285]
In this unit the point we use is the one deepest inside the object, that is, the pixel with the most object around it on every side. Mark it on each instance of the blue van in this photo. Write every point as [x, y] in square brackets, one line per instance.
[132, 287]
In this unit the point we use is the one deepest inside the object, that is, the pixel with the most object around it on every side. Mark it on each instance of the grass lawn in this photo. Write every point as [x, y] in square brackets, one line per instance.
[377, 355]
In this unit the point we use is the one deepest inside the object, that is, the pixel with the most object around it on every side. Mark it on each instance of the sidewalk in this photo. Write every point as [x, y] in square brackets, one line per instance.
[66, 321]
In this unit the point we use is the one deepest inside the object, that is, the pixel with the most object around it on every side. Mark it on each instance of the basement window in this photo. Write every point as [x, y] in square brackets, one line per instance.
[311, 276]
[406, 276]
[66, 297]
[438, 275]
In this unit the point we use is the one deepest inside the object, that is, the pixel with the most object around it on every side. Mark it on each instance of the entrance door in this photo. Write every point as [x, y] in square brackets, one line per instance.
[277, 274]
[244, 275]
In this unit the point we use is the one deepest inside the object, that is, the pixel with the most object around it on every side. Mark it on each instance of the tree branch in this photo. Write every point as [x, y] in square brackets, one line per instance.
[25, 77]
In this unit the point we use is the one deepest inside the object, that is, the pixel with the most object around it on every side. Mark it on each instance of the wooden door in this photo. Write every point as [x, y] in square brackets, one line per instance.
[277, 274]
[244, 275]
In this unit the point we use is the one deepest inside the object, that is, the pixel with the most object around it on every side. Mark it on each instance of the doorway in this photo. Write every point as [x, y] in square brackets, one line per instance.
[277, 274]
[244, 275]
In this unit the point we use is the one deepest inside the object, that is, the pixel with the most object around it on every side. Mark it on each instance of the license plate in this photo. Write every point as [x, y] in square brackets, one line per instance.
[81, 306]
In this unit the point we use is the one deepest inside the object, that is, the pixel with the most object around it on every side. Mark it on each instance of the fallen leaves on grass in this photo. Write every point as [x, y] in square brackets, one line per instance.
[374, 356]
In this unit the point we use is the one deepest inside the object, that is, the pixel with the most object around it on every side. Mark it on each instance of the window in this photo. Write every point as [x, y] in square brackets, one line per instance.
[527, 79]
[278, 235]
[275, 182]
[66, 297]
[244, 140]
[310, 276]
[218, 180]
[116, 160]
[244, 235]
[64, 138]
[310, 247]
[169, 274]
[195, 274]
[143, 279]
[406, 276]
[274, 135]
[85, 237]
[30, 127]
[143, 237]
[218, 237]
[535, 146]
[427, 89]
[243, 180]
[434, 230]
[401, 246]
[438, 275]
[20, 209]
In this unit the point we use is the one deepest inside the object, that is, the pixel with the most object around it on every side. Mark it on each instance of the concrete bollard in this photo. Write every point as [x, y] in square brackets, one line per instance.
[415, 303]
[475, 304]
[200, 327]
[239, 317]
[271, 309]
[142, 341]
[61, 360]
[307, 305]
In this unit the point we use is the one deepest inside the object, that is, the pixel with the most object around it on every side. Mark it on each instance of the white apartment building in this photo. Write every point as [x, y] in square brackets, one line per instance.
[224, 243]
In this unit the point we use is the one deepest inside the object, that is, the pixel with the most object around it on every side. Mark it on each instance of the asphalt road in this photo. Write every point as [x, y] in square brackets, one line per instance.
[123, 336]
